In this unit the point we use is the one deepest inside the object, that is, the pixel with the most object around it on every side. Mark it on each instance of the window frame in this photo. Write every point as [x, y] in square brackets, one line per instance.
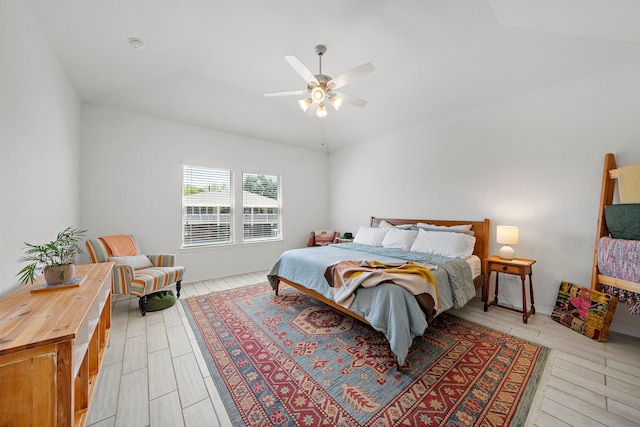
[266, 215]
[227, 179]
[235, 211]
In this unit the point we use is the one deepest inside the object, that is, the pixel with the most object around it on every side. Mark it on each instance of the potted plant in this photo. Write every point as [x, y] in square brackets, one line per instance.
[56, 258]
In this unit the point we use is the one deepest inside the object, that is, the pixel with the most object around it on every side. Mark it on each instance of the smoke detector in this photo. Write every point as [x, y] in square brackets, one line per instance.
[136, 43]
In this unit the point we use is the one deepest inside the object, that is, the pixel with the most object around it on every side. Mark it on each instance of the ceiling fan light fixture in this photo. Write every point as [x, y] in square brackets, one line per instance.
[317, 94]
[336, 101]
[320, 87]
[305, 104]
[321, 111]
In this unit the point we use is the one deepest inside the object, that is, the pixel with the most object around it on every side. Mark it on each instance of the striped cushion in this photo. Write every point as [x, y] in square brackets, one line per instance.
[150, 280]
[144, 281]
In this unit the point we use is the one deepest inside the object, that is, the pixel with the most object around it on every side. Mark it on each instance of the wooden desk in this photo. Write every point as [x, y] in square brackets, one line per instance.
[518, 266]
[51, 348]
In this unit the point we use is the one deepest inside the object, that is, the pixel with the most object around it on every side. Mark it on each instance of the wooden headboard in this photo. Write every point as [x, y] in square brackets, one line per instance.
[479, 228]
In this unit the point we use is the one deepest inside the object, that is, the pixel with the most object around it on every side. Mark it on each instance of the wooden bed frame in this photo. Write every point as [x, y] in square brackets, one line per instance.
[481, 249]
[606, 198]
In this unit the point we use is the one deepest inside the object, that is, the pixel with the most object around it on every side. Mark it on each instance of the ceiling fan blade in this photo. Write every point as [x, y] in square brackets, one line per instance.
[288, 93]
[352, 100]
[300, 68]
[351, 75]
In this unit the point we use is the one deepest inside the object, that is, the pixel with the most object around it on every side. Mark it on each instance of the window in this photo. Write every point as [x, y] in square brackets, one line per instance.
[262, 207]
[207, 206]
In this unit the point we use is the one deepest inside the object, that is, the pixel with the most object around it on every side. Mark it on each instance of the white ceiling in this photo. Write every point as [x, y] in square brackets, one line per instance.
[208, 62]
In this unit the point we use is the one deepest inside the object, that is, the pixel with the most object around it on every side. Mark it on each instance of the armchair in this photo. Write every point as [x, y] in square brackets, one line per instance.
[134, 273]
[322, 237]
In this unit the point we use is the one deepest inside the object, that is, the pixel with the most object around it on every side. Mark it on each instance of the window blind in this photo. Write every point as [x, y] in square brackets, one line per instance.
[207, 206]
[262, 207]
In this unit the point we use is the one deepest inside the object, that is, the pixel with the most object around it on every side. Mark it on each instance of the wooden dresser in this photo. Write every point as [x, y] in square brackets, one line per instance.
[51, 348]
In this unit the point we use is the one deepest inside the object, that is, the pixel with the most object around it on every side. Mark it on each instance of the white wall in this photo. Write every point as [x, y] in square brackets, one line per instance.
[39, 140]
[535, 161]
[132, 177]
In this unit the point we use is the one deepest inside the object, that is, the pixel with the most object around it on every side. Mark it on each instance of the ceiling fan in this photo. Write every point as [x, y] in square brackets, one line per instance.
[321, 87]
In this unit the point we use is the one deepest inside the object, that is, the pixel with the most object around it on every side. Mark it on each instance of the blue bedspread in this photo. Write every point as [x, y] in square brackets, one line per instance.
[389, 308]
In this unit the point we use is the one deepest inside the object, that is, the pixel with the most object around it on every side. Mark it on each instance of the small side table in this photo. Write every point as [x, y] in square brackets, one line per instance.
[517, 266]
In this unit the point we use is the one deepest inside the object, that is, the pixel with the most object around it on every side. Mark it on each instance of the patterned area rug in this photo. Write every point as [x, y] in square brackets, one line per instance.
[290, 360]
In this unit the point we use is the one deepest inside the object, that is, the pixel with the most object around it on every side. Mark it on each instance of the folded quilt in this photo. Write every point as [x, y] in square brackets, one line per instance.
[628, 183]
[461, 282]
[345, 277]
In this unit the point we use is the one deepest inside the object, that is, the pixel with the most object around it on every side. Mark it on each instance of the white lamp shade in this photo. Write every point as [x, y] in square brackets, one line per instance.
[507, 234]
[305, 104]
[321, 111]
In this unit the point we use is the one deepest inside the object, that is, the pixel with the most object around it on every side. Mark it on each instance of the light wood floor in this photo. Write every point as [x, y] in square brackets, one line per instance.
[153, 373]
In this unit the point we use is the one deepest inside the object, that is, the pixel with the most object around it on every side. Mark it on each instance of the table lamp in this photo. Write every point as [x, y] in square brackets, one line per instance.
[507, 235]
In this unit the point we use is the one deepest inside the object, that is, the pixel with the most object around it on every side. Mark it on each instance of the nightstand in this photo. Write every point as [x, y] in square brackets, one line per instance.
[517, 266]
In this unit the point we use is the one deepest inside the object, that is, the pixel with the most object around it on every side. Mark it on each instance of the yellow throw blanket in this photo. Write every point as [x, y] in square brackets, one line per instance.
[628, 183]
[345, 277]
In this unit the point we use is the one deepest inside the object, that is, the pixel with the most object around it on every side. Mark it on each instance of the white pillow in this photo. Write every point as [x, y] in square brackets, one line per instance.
[452, 245]
[372, 236]
[137, 262]
[398, 238]
[464, 227]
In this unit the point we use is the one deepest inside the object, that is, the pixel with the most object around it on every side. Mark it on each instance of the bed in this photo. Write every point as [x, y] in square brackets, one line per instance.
[387, 307]
[616, 261]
